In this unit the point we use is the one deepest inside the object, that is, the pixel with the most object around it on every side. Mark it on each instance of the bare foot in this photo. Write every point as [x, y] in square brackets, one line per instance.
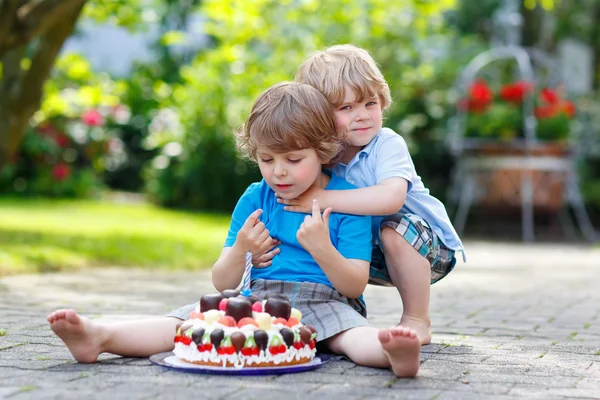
[421, 326]
[82, 336]
[402, 348]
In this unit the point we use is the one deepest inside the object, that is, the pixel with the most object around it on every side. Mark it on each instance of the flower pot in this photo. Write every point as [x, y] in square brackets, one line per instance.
[501, 187]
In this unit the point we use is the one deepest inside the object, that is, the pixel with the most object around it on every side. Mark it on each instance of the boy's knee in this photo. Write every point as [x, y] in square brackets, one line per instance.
[396, 246]
[392, 241]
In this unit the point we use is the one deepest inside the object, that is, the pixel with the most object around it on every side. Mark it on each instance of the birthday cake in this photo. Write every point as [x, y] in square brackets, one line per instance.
[230, 330]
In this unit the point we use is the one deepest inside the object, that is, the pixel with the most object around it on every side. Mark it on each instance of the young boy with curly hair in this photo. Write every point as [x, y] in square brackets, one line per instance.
[414, 241]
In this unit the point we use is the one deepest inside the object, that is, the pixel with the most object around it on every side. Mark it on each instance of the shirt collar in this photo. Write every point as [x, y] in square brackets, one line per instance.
[367, 149]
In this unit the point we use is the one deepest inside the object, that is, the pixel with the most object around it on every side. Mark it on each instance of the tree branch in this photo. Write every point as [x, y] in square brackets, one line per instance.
[8, 9]
[26, 94]
[36, 17]
[11, 72]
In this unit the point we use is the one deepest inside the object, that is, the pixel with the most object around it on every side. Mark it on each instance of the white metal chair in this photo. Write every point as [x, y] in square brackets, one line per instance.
[531, 66]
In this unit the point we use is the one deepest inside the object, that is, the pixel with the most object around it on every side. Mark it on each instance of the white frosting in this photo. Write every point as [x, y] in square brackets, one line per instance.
[190, 352]
[197, 323]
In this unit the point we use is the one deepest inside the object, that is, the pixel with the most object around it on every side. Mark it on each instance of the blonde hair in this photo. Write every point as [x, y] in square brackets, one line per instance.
[336, 67]
[287, 117]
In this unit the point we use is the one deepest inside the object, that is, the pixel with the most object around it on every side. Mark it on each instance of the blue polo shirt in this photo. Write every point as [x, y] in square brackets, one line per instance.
[387, 156]
[349, 234]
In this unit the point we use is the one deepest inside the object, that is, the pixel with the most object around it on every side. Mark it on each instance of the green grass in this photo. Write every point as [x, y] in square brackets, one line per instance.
[41, 235]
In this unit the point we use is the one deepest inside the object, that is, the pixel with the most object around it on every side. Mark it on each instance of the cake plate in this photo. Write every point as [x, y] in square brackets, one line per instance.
[171, 361]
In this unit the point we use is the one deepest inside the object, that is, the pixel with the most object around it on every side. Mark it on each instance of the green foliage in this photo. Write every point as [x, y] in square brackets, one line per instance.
[126, 13]
[473, 16]
[53, 235]
[72, 138]
[260, 43]
[501, 120]
[149, 86]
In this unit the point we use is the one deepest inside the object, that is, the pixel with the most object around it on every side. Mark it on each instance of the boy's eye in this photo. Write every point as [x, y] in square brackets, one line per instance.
[344, 108]
[294, 161]
[266, 160]
[371, 103]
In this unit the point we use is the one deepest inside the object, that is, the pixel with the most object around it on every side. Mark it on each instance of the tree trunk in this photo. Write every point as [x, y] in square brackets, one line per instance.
[21, 89]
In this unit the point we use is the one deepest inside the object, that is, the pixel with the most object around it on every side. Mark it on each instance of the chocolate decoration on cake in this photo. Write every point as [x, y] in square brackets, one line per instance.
[210, 301]
[278, 307]
[305, 334]
[244, 298]
[227, 293]
[216, 337]
[253, 299]
[197, 335]
[238, 308]
[311, 328]
[237, 340]
[288, 337]
[276, 296]
[261, 338]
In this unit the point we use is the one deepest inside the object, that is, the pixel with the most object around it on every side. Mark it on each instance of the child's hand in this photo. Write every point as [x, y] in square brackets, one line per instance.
[304, 202]
[265, 260]
[254, 237]
[314, 231]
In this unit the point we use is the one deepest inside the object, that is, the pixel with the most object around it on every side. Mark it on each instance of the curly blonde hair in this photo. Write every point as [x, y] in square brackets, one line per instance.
[337, 67]
[290, 116]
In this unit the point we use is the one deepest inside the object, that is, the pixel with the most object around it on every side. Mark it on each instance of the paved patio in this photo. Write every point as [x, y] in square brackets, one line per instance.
[517, 321]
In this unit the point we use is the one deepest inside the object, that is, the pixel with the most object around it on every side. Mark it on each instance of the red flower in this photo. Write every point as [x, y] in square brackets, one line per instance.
[47, 128]
[543, 112]
[553, 105]
[61, 171]
[549, 96]
[463, 104]
[569, 109]
[61, 140]
[480, 96]
[92, 117]
[514, 93]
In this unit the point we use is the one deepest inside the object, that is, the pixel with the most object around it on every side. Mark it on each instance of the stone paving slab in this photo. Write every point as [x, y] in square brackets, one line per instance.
[517, 321]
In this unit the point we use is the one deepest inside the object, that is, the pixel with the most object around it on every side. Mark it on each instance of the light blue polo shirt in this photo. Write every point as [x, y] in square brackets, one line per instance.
[349, 234]
[387, 156]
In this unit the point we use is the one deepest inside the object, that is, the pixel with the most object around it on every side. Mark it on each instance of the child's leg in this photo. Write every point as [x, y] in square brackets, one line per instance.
[398, 348]
[87, 339]
[411, 274]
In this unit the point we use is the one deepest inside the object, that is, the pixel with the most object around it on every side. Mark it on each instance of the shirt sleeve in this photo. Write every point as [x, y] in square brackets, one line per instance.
[393, 160]
[354, 238]
[244, 207]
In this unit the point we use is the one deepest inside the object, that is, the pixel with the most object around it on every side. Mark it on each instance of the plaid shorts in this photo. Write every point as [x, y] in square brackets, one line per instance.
[418, 233]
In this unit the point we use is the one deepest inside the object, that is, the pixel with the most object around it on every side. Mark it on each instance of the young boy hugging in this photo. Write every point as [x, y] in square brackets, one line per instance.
[414, 240]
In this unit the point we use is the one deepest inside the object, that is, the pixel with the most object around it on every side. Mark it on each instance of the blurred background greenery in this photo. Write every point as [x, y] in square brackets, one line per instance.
[72, 130]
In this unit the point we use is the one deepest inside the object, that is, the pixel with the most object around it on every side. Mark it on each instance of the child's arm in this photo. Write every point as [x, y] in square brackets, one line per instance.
[348, 276]
[227, 272]
[229, 268]
[384, 198]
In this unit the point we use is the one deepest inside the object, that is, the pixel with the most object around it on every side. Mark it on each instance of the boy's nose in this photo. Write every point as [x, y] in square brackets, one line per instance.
[361, 114]
[279, 171]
